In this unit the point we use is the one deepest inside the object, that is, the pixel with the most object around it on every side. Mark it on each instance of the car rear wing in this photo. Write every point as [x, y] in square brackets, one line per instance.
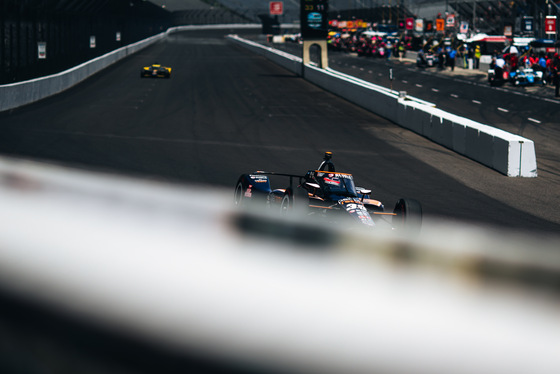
[291, 176]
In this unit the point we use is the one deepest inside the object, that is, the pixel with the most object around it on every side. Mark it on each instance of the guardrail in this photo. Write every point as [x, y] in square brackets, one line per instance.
[19, 94]
[177, 268]
[507, 153]
[22, 93]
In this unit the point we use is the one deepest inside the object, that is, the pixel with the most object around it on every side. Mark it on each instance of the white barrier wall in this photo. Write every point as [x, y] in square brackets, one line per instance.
[22, 93]
[286, 60]
[507, 153]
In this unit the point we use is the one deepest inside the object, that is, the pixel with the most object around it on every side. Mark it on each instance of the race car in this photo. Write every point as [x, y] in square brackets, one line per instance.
[525, 77]
[328, 195]
[426, 60]
[155, 71]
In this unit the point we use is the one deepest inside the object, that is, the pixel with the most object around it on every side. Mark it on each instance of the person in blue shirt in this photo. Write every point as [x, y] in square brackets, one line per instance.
[451, 55]
[542, 62]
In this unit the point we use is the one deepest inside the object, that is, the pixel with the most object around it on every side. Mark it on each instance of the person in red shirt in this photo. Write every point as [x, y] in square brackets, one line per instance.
[533, 60]
[514, 60]
[556, 74]
[548, 69]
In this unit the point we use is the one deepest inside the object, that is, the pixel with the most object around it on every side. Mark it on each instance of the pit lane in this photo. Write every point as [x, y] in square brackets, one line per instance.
[226, 111]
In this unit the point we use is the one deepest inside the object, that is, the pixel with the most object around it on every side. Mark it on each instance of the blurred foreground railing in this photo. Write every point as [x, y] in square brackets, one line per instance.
[118, 274]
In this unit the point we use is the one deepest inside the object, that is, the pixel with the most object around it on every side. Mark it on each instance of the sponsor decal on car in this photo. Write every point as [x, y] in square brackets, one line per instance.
[334, 175]
[259, 178]
[372, 202]
[249, 193]
[332, 181]
[349, 200]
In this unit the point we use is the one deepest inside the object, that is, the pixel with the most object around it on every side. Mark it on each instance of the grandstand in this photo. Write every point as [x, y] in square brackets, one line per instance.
[488, 16]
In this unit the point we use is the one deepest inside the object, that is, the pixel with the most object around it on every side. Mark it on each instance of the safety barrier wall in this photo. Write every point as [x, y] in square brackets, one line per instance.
[507, 153]
[374, 98]
[286, 60]
[22, 93]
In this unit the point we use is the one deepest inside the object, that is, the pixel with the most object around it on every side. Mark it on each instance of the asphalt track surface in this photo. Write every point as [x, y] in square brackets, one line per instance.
[226, 111]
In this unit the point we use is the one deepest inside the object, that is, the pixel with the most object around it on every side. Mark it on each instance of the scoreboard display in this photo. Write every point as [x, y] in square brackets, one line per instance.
[314, 19]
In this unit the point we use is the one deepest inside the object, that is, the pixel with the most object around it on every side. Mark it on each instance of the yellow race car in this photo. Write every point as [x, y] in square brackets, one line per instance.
[155, 71]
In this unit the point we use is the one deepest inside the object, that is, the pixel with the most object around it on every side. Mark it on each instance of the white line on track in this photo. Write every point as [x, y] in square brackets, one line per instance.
[435, 90]
[476, 102]
[418, 85]
[474, 84]
[503, 110]
[519, 93]
[525, 95]
[534, 120]
[463, 81]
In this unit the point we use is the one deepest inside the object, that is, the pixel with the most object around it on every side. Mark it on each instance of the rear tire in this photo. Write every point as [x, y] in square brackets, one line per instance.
[238, 195]
[295, 202]
[408, 216]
